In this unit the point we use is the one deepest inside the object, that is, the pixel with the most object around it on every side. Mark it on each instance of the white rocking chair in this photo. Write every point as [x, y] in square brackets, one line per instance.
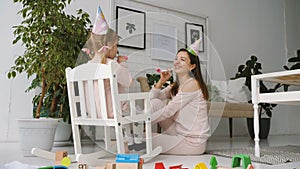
[81, 86]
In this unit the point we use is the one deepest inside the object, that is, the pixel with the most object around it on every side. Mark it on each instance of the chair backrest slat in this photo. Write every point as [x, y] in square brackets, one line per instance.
[102, 95]
[89, 79]
[81, 98]
[91, 97]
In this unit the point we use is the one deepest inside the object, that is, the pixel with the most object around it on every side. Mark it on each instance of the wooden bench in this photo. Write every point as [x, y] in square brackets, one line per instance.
[230, 111]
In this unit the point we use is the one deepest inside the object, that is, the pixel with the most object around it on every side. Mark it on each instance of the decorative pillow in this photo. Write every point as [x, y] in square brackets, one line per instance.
[214, 94]
[221, 86]
[237, 91]
[234, 91]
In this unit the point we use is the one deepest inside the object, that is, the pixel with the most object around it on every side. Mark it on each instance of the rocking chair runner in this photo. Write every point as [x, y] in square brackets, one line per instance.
[80, 82]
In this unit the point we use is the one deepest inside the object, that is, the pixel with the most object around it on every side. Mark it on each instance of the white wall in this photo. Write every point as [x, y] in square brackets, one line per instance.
[238, 28]
[14, 102]
[292, 12]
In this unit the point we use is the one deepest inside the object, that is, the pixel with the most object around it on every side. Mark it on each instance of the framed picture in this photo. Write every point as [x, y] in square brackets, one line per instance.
[131, 28]
[192, 33]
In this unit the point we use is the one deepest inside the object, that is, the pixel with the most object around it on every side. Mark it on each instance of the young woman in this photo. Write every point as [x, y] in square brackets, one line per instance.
[184, 118]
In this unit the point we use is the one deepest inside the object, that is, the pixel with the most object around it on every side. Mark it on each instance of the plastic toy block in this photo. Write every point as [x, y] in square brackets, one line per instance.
[60, 167]
[126, 166]
[99, 167]
[159, 165]
[66, 161]
[110, 166]
[213, 162]
[236, 161]
[54, 167]
[59, 155]
[250, 166]
[200, 166]
[82, 166]
[46, 167]
[127, 158]
[176, 167]
[141, 162]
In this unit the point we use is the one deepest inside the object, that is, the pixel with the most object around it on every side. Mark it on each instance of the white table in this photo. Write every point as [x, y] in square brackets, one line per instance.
[291, 77]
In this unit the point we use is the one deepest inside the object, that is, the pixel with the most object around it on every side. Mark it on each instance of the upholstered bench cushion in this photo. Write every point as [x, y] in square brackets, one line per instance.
[230, 110]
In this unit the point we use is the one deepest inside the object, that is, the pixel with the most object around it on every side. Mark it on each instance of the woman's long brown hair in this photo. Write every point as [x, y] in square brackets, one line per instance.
[196, 73]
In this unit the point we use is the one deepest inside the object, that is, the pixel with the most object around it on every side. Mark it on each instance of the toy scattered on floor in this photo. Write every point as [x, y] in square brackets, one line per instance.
[54, 167]
[127, 158]
[213, 162]
[59, 155]
[62, 161]
[123, 161]
[236, 161]
[200, 166]
[160, 165]
[176, 167]
[129, 161]
[82, 166]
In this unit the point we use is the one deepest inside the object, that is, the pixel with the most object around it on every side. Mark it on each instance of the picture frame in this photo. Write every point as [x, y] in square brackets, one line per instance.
[193, 32]
[131, 27]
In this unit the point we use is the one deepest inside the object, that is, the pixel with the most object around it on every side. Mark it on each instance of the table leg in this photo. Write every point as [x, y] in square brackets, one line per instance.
[256, 130]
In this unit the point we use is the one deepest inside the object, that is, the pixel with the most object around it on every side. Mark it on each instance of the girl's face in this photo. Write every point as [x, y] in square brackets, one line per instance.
[182, 63]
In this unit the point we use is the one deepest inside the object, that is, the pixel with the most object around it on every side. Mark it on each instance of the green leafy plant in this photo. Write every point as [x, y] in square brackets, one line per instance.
[295, 60]
[154, 78]
[253, 67]
[52, 41]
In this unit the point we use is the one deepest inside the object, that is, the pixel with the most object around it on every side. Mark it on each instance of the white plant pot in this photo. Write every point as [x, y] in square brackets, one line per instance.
[37, 133]
[63, 133]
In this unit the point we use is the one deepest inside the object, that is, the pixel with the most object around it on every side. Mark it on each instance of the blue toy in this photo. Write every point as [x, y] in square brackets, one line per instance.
[54, 167]
[127, 158]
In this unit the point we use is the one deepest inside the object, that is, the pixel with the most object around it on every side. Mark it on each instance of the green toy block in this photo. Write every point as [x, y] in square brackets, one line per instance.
[213, 162]
[46, 167]
[236, 160]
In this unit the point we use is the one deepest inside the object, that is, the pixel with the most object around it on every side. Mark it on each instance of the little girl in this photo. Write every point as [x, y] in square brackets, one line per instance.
[104, 49]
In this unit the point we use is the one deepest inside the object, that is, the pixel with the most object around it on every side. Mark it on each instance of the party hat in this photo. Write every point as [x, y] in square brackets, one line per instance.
[100, 25]
[194, 48]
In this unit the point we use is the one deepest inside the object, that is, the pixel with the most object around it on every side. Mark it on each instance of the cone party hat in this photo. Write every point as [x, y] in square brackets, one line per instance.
[194, 48]
[100, 26]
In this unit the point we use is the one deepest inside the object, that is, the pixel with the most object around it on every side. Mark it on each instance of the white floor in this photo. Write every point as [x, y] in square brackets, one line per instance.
[10, 152]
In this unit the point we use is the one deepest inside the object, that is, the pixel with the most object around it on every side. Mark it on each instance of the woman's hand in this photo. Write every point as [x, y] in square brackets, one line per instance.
[164, 77]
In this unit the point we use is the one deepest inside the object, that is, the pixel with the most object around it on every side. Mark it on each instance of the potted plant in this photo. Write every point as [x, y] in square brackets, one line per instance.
[52, 41]
[253, 67]
[295, 60]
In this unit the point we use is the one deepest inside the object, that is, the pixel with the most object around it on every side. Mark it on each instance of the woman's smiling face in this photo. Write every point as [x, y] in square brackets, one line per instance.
[182, 63]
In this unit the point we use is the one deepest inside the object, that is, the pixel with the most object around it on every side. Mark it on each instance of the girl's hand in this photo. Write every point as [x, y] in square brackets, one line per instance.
[122, 58]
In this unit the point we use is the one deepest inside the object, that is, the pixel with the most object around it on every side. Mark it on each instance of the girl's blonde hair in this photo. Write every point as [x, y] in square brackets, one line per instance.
[95, 42]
